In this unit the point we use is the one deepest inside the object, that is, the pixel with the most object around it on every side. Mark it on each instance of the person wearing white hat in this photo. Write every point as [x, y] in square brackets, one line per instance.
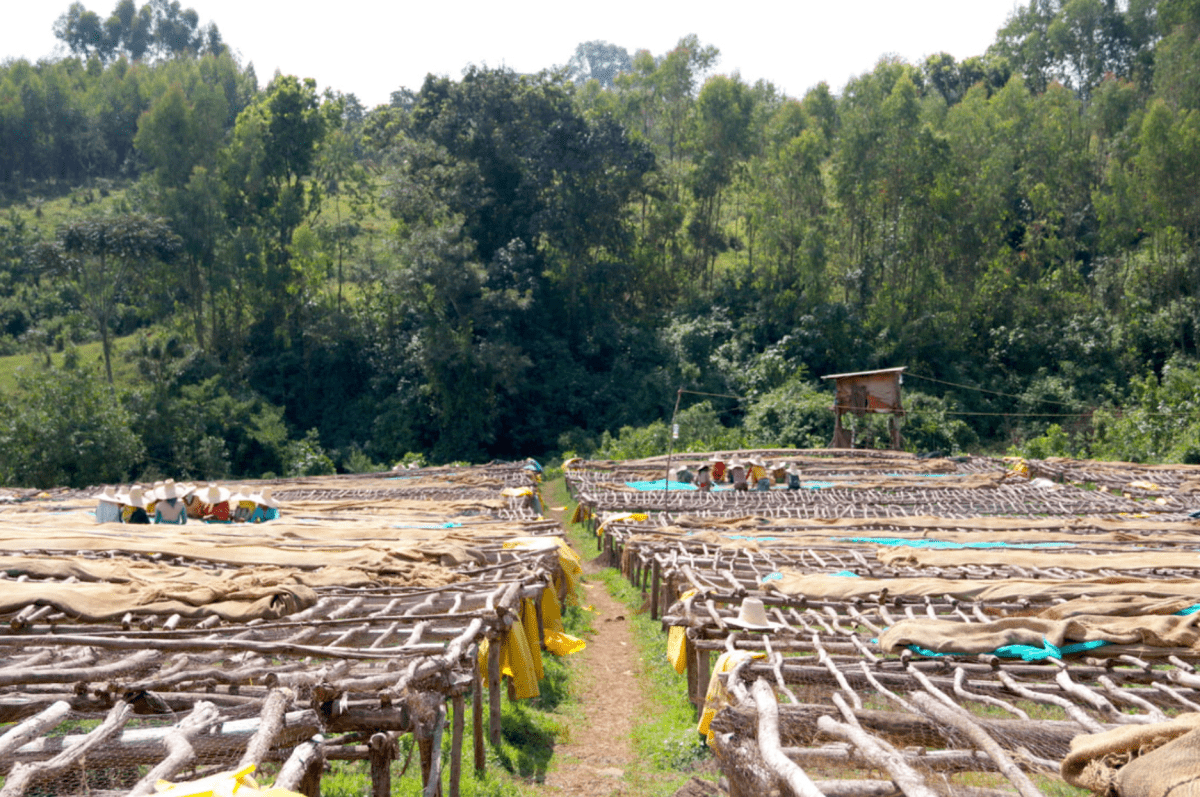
[267, 507]
[108, 508]
[737, 475]
[214, 503]
[170, 507]
[242, 505]
[793, 478]
[758, 475]
[134, 509]
[704, 478]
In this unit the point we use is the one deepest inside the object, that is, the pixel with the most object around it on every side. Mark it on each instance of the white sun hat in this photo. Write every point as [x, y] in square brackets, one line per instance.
[263, 498]
[110, 495]
[753, 616]
[213, 494]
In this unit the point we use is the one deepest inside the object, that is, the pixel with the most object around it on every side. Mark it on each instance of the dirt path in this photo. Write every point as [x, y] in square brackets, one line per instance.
[594, 759]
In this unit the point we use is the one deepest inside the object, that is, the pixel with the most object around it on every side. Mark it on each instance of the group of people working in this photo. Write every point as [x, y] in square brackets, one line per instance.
[749, 474]
[172, 502]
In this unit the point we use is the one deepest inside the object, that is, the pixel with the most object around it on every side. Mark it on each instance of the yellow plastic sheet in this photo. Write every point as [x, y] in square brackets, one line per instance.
[237, 783]
[529, 620]
[638, 516]
[558, 641]
[717, 697]
[516, 661]
[568, 560]
[677, 641]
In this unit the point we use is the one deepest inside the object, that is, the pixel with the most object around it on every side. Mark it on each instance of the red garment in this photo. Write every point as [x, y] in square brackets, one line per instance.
[718, 471]
[215, 511]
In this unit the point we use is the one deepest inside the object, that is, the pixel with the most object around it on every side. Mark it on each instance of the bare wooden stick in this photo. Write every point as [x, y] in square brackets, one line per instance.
[138, 662]
[880, 754]
[1153, 712]
[1073, 711]
[21, 775]
[34, 726]
[960, 675]
[846, 755]
[270, 723]
[961, 721]
[768, 743]
[178, 742]
[298, 763]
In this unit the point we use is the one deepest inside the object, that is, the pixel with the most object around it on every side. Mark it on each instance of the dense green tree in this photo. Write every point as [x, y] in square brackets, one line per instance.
[65, 427]
[109, 257]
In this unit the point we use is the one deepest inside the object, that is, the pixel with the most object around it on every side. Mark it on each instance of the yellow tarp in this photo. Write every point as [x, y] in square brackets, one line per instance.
[717, 697]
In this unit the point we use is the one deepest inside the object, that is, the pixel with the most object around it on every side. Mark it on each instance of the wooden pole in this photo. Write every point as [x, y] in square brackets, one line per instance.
[433, 783]
[796, 779]
[383, 750]
[494, 692]
[456, 740]
[477, 722]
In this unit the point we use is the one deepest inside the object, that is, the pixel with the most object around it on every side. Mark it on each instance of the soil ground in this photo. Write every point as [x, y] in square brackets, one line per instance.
[599, 750]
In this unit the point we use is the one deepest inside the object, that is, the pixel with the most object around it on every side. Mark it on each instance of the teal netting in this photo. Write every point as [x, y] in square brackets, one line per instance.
[660, 484]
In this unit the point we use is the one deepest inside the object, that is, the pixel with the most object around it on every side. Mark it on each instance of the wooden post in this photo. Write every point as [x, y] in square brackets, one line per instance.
[433, 783]
[382, 751]
[310, 784]
[494, 692]
[689, 655]
[655, 587]
[703, 666]
[477, 722]
[456, 739]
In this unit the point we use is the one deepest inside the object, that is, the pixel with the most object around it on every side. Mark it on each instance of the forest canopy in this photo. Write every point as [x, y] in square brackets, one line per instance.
[501, 265]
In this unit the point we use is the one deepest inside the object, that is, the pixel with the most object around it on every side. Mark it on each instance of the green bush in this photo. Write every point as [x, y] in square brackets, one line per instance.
[65, 427]
[795, 415]
[306, 457]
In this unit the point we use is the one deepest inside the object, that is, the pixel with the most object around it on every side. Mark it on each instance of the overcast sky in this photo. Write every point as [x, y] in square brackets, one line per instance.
[373, 48]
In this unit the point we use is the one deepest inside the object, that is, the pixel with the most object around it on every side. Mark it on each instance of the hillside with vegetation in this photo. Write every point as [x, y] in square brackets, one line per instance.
[204, 277]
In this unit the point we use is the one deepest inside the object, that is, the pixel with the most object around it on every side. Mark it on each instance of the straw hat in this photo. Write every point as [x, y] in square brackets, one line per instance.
[243, 494]
[169, 489]
[753, 616]
[135, 497]
[213, 494]
[263, 498]
[110, 495]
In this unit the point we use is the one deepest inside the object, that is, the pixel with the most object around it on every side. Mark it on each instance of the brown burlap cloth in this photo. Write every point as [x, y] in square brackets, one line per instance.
[998, 557]
[1160, 760]
[112, 588]
[1118, 619]
[841, 588]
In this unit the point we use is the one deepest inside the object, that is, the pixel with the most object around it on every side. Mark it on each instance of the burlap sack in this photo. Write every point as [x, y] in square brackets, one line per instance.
[1138, 760]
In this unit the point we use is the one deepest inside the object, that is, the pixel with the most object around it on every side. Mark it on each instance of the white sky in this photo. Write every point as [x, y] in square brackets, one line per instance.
[372, 48]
